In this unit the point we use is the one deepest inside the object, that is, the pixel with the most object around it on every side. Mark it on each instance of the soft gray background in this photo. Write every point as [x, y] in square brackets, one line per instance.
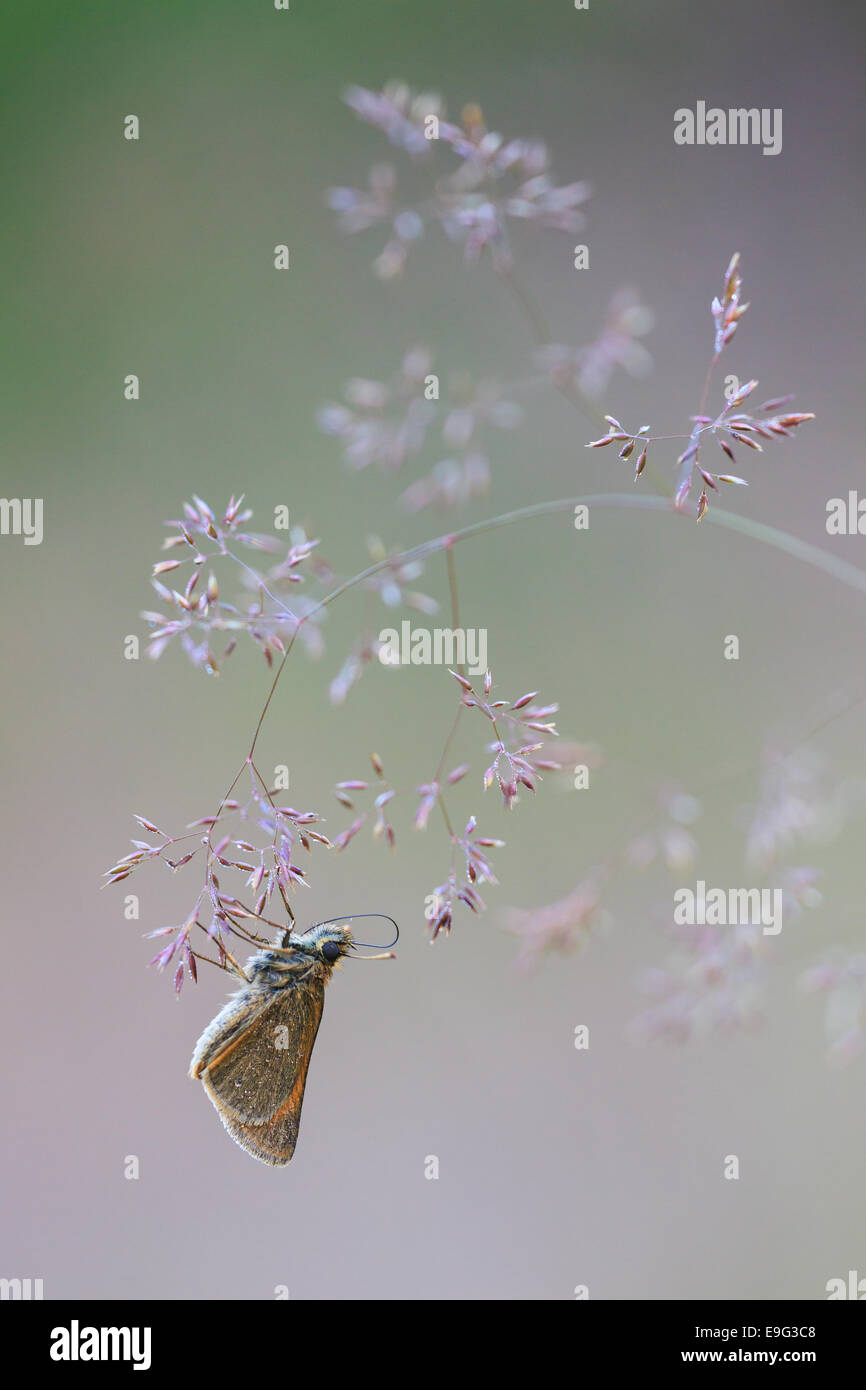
[557, 1168]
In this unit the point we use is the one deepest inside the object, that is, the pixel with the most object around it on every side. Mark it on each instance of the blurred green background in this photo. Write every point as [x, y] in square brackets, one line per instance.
[558, 1168]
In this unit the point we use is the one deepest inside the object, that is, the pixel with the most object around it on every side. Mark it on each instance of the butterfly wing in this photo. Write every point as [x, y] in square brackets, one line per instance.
[274, 1141]
[233, 1019]
[253, 1062]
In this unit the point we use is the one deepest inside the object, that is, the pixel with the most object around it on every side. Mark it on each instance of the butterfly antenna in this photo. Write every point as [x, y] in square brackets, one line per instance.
[350, 917]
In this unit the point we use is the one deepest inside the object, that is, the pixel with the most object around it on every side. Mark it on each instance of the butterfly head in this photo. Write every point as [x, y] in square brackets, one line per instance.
[327, 942]
[324, 945]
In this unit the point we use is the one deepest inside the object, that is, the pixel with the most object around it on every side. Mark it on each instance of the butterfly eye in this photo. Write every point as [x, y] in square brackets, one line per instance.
[332, 950]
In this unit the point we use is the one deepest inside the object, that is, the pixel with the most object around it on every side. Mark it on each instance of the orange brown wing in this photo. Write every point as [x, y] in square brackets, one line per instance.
[257, 1074]
[274, 1141]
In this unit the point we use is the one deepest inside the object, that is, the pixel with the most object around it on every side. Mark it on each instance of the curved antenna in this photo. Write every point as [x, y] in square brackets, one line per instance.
[350, 916]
